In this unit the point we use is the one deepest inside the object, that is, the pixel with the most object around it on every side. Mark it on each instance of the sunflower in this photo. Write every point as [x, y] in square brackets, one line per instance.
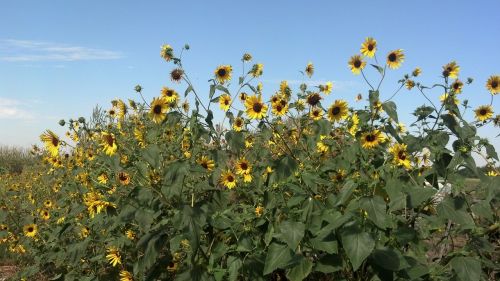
[451, 70]
[313, 99]
[112, 112]
[354, 124]
[206, 163]
[238, 124]
[449, 98]
[359, 97]
[484, 112]
[309, 69]
[493, 84]
[369, 47]
[172, 266]
[395, 58]
[246, 57]
[159, 108]
[130, 234]
[113, 256]
[243, 167]
[356, 63]
[243, 97]
[285, 89]
[371, 139]
[103, 178]
[108, 142]
[400, 128]
[400, 156]
[316, 113]
[338, 111]
[30, 230]
[280, 107]
[45, 214]
[457, 86]
[167, 52]
[327, 88]
[225, 102]
[176, 75]
[170, 95]
[255, 108]
[223, 73]
[124, 178]
[416, 72]
[228, 179]
[126, 276]
[122, 109]
[259, 210]
[257, 70]
[185, 106]
[51, 142]
[48, 203]
[409, 84]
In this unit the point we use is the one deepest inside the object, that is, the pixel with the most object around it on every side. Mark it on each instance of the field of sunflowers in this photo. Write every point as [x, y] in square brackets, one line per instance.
[280, 187]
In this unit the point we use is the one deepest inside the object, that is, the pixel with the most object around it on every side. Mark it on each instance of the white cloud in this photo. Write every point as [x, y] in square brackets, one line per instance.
[12, 50]
[13, 109]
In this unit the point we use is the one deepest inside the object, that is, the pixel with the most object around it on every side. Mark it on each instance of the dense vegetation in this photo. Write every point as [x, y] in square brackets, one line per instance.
[284, 187]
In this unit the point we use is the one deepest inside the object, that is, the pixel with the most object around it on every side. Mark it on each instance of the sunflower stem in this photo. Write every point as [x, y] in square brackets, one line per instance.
[366, 80]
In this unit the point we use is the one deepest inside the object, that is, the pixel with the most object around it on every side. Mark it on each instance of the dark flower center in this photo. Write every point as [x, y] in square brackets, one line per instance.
[370, 138]
[370, 47]
[221, 72]
[123, 177]
[336, 110]
[483, 112]
[257, 107]
[313, 99]
[357, 63]
[392, 57]
[204, 165]
[238, 123]
[279, 108]
[401, 155]
[243, 166]
[55, 141]
[109, 140]
[30, 229]
[230, 178]
[494, 84]
[157, 109]
[446, 73]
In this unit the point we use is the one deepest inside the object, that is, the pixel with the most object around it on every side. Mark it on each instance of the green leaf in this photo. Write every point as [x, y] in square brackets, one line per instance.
[189, 89]
[490, 150]
[455, 209]
[329, 264]
[222, 88]
[378, 68]
[234, 267]
[375, 207]
[389, 259]
[418, 194]
[278, 256]
[212, 92]
[300, 271]
[467, 268]
[357, 244]
[391, 109]
[345, 193]
[292, 232]
[152, 155]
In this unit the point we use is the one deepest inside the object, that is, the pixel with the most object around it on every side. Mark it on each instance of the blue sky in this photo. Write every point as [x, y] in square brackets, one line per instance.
[58, 59]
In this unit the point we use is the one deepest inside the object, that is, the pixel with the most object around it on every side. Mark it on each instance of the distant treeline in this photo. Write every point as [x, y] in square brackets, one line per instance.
[14, 159]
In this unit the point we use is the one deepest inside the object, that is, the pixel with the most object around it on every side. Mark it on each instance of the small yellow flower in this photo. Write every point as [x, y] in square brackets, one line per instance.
[259, 210]
[483, 113]
[395, 58]
[416, 72]
[30, 230]
[356, 63]
[225, 102]
[228, 179]
[369, 47]
[223, 73]
[451, 70]
[113, 256]
[309, 69]
[493, 84]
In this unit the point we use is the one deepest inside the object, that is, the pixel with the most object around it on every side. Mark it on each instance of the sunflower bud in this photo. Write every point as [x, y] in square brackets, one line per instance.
[62, 122]
[247, 57]
[186, 47]
[470, 80]
[81, 120]
[303, 87]
[138, 88]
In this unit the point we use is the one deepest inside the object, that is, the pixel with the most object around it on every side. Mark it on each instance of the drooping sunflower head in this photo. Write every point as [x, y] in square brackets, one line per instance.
[170, 95]
[167, 52]
[316, 113]
[257, 70]
[176, 75]
[371, 139]
[309, 69]
[327, 88]
[126, 276]
[206, 163]
[493, 84]
[243, 97]
[255, 108]
[223, 73]
[313, 99]
[225, 102]
[30, 230]
[358, 97]
[158, 110]
[395, 58]
[483, 113]
[185, 106]
[51, 142]
[228, 179]
[108, 142]
[457, 86]
[399, 155]
[369, 47]
[356, 63]
[416, 72]
[338, 111]
[451, 70]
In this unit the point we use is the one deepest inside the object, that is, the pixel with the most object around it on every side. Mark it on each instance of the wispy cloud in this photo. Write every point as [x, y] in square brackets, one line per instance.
[12, 50]
[13, 109]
